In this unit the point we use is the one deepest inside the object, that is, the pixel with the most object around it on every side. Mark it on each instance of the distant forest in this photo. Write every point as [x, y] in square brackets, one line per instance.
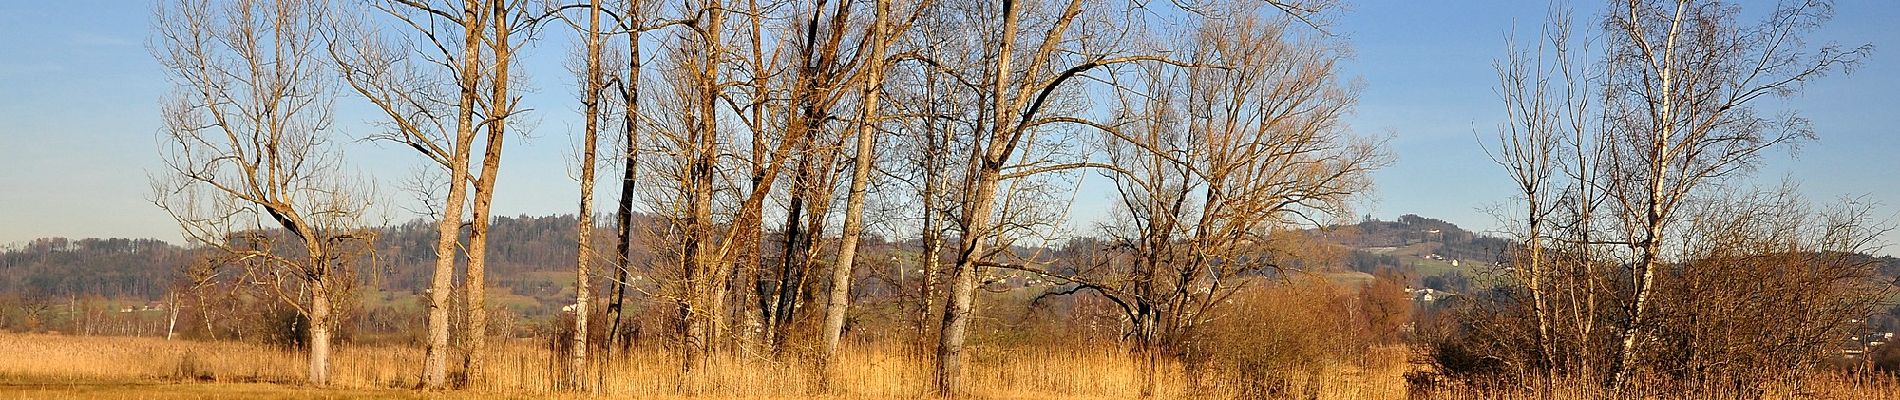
[147, 269]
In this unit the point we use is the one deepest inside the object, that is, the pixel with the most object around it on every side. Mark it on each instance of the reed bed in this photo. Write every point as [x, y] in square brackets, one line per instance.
[1818, 386]
[529, 369]
[520, 367]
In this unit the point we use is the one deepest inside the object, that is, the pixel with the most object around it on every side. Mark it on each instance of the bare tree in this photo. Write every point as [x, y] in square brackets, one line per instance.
[840, 297]
[1625, 170]
[927, 126]
[405, 78]
[505, 16]
[1538, 96]
[1550, 149]
[1683, 77]
[702, 307]
[826, 69]
[250, 158]
[1213, 166]
[1018, 84]
[591, 90]
[690, 143]
[632, 23]
[717, 227]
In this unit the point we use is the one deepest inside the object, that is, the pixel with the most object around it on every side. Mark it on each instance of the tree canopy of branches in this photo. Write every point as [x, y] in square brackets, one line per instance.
[1636, 236]
[251, 158]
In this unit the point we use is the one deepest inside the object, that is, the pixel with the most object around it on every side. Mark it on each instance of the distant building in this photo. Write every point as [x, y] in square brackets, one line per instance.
[1428, 295]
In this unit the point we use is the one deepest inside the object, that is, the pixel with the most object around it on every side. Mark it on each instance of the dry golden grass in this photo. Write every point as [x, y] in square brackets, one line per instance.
[1824, 385]
[42, 366]
[99, 388]
[56, 366]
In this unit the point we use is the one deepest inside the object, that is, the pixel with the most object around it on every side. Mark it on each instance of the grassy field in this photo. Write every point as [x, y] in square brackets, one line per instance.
[43, 366]
[103, 388]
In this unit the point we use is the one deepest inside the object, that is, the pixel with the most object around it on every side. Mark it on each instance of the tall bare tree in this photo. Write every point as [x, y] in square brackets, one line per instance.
[838, 303]
[1549, 148]
[717, 227]
[703, 306]
[505, 17]
[1624, 165]
[404, 78]
[250, 155]
[926, 128]
[826, 67]
[1025, 70]
[1540, 89]
[632, 23]
[1213, 167]
[698, 68]
[591, 90]
[1684, 76]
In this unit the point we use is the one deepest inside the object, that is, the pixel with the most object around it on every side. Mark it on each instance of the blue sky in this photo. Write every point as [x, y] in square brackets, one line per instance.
[1428, 67]
[79, 95]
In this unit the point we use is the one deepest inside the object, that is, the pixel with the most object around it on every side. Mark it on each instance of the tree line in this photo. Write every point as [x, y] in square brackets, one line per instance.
[757, 142]
[740, 126]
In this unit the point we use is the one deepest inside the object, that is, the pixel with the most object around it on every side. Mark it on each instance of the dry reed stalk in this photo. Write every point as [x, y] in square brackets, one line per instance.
[524, 367]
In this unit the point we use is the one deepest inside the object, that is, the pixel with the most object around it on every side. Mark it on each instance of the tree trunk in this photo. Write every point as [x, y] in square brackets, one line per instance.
[319, 332]
[705, 306]
[204, 315]
[577, 362]
[172, 323]
[932, 257]
[932, 234]
[985, 173]
[448, 231]
[475, 366]
[1655, 216]
[1150, 355]
[786, 288]
[1632, 335]
[630, 170]
[956, 316]
[839, 301]
[753, 257]
[1535, 271]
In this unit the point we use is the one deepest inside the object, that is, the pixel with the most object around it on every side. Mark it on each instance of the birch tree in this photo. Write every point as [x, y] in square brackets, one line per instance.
[1621, 163]
[1684, 77]
[1541, 104]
